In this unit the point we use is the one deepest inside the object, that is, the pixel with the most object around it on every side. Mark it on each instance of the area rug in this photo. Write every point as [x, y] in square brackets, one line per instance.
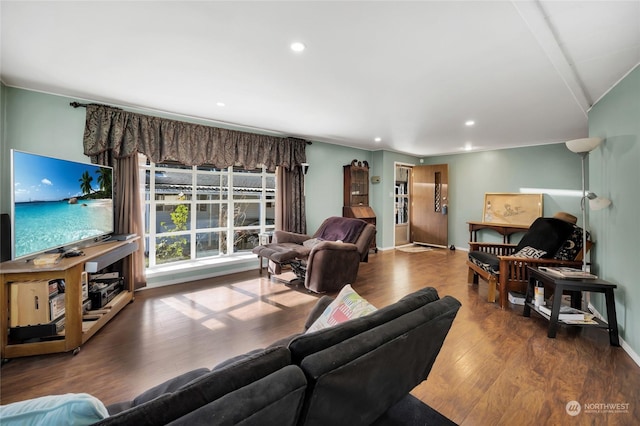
[414, 249]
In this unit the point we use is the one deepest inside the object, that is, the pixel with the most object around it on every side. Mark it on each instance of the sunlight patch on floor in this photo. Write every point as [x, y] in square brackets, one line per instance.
[253, 310]
[218, 298]
[214, 324]
[292, 298]
[183, 308]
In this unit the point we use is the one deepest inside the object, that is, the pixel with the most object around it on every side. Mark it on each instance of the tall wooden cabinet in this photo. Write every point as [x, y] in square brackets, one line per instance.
[22, 286]
[356, 194]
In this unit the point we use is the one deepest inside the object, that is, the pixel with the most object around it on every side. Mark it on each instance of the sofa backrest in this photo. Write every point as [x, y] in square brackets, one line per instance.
[261, 388]
[355, 380]
[307, 344]
[274, 400]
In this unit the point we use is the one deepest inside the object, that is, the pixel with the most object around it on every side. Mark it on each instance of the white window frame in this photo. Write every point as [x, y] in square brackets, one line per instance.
[150, 205]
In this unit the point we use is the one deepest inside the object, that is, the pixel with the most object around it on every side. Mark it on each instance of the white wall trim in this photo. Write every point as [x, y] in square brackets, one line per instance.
[624, 345]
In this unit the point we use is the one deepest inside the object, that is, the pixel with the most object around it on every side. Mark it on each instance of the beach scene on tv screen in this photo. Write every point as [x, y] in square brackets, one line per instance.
[58, 202]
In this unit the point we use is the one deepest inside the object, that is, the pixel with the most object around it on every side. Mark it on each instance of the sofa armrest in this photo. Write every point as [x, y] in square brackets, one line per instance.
[289, 237]
[333, 245]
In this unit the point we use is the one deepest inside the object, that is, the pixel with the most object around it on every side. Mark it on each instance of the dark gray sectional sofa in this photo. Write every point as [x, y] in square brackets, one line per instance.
[359, 372]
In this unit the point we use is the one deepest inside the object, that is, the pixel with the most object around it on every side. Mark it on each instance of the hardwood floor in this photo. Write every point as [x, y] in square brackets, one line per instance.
[495, 368]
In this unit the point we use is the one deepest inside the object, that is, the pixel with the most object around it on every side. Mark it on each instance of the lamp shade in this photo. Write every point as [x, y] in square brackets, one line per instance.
[583, 145]
[599, 203]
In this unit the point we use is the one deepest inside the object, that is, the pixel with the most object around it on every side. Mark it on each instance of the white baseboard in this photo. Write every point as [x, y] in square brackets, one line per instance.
[624, 345]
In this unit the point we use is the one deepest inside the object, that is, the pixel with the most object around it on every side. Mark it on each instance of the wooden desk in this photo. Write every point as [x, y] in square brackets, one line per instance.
[503, 229]
[574, 287]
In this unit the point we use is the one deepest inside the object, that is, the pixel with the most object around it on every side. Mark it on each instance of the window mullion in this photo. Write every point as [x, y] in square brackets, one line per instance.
[230, 211]
[152, 214]
[263, 201]
[193, 212]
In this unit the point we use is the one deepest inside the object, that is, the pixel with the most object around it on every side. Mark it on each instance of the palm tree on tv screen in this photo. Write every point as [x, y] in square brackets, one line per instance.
[85, 182]
[104, 180]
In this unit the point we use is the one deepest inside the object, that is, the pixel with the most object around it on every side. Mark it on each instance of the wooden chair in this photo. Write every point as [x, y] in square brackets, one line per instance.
[505, 269]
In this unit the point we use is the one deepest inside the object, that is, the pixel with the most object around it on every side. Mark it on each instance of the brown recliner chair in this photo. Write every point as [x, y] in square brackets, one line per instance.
[327, 260]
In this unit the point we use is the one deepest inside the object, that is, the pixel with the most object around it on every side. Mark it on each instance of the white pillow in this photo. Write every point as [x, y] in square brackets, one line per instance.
[347, 305]
[69, 409]
[530, 252]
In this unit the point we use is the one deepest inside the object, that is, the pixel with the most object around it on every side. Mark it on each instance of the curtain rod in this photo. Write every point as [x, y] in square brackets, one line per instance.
[80, 105]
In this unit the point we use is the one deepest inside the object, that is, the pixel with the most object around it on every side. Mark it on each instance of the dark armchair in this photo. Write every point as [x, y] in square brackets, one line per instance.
[548, 242]
[327, 260]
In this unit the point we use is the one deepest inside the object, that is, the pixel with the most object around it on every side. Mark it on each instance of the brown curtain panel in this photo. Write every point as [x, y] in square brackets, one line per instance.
[127, 208]
[290, 203]
[114, 137]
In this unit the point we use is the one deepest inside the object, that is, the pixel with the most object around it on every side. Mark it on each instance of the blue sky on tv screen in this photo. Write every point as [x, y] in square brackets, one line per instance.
[39, 178]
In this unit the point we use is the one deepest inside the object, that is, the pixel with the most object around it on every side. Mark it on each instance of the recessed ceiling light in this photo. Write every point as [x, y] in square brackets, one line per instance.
[298, 46]
[468, 146]
[469, 123]
[378, 139]
[220, 104]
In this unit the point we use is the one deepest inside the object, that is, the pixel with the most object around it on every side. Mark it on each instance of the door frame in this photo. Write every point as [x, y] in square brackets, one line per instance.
[397, 164]
[432, 227]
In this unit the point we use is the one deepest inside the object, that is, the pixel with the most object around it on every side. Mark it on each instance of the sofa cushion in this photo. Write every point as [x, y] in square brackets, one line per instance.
[71, 408]
[204, 389]
[411, 411]
[546, 233]
[169, 386]
[355, 381]
[572, 245]
[309, 343]
[487, 261]
[273, 400]
[347, 305]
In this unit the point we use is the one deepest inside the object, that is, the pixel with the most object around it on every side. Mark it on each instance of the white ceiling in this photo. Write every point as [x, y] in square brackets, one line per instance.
[410, 73]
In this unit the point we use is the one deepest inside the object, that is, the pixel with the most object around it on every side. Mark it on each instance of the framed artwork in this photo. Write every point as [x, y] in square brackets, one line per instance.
[512, 209]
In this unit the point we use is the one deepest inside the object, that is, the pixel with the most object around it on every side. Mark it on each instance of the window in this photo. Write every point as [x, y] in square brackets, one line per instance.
[200, 212]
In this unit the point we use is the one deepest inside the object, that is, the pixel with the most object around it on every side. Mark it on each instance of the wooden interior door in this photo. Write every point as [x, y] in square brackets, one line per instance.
[429, 205]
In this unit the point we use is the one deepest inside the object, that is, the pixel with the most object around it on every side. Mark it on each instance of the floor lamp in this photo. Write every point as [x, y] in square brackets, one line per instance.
[583, 147]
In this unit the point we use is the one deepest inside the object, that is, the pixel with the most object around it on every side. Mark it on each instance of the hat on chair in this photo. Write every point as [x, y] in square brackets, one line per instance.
[566, 217]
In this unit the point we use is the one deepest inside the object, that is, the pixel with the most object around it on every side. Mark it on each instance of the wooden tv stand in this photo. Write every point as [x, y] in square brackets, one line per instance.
[76, 330]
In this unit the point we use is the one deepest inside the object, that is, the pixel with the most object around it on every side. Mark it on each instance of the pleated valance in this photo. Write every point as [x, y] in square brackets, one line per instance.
[112, 132]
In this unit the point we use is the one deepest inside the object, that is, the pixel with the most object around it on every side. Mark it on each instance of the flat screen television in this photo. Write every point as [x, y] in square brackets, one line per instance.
[58, 204]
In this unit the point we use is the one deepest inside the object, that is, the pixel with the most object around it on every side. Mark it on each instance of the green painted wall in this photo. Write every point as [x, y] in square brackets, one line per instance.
[614, 172]
[473, 174]
[324, 181]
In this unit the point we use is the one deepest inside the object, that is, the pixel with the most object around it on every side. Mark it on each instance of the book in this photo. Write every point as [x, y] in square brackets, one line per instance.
[581, 322]
[567, 313]
[516, 298]
[566, 272]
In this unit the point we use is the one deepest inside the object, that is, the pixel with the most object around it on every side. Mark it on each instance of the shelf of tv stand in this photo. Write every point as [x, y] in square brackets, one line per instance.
[76, 331]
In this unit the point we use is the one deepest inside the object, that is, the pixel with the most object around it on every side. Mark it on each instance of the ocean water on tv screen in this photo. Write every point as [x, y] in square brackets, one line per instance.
[46, 225]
